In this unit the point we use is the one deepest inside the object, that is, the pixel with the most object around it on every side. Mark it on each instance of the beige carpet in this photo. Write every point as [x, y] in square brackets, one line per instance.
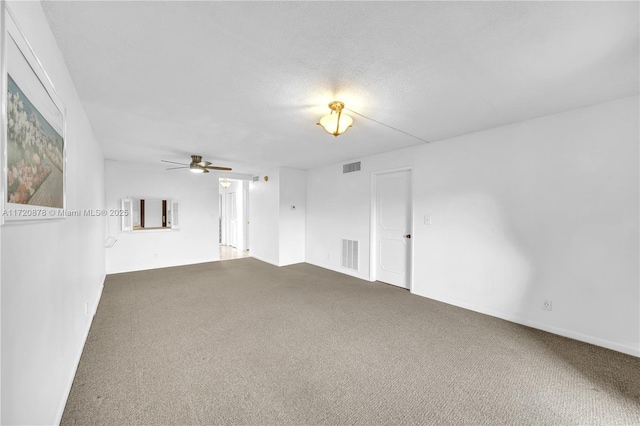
[244, 342]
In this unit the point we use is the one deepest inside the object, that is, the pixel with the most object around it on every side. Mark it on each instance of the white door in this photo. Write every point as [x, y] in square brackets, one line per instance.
[246, 221]
[233, 219]
[393, 227]
[221, 234]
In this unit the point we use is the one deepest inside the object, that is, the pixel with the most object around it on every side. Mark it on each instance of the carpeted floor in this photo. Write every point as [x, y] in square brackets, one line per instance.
[244, 342]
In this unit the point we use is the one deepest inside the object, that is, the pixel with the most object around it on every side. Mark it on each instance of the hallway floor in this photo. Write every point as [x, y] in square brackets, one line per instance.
[228, 252]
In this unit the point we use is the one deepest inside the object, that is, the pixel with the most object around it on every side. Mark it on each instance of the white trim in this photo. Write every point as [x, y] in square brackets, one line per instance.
[262, 259]
[149, 230]
[270, 262]
[340, 270]
[619, 347]
[170, 265]
[67, 392]
[372, 230]
[608, 344]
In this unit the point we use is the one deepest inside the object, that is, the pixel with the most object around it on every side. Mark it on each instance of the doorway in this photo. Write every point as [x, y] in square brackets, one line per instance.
[232, 212]
[391, 213]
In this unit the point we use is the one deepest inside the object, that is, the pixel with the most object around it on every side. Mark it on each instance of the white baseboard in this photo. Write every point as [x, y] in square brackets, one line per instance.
[77, 363]
[161, 266]
[340, 270]
[618, 347]
[626, 349]
[262, 259]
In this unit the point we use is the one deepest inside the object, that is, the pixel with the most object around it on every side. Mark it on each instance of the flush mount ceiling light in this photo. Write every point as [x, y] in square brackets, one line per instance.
[336, 123]
[225, 183]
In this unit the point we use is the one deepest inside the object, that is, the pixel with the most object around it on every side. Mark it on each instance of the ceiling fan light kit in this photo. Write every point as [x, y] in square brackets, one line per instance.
[336, 123]
[196, 165]
[225, 183]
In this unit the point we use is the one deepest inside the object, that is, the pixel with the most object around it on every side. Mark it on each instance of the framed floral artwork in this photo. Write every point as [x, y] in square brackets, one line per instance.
[33, 133]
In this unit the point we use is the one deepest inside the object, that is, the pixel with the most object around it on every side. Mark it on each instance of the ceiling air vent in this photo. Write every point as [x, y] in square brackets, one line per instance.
[255, 178]
[351, 167]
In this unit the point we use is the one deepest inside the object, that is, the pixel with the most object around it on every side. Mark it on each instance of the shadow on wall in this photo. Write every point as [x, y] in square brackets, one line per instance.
[505, 268]
[475, 251]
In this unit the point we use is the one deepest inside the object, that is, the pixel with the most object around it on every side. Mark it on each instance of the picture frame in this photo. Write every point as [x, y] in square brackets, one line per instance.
[33, 132]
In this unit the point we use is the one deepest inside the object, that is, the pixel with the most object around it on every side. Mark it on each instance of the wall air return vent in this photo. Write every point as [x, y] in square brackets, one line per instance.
[350, 254]
[255, 178]
[351, 167]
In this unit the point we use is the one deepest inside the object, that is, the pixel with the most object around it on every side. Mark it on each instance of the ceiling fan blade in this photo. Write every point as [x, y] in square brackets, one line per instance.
[173, 162]
[204, 163]
[174, 168]
[218, 168]
[204, 170]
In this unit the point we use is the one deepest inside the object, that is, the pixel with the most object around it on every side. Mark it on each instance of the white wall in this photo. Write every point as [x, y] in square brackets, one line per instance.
[277, 233]
[54, 270]
[543, 209]
[197, 239]
[241, 211]
[264, 213]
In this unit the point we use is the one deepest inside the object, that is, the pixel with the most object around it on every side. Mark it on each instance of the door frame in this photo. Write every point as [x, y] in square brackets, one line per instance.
[232, 229]
[373, 222]
[245, 218]
[242, 214]
[221, 236]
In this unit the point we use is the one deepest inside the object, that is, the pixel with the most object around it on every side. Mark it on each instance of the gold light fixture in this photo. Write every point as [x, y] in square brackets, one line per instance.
[225, 183]
[336, 123]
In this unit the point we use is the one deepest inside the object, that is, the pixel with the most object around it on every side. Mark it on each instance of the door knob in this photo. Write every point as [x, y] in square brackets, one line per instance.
[408, 236]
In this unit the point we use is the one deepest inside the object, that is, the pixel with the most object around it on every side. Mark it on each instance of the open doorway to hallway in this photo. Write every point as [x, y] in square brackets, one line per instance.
[233, 214]
[227, 252]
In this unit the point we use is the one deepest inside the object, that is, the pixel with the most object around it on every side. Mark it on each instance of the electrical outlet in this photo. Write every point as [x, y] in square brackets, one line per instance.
[155, 255]
[86, 308]
[546, 305]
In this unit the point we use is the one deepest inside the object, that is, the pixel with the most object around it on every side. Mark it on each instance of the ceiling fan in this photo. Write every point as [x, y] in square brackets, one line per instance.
[196, 165]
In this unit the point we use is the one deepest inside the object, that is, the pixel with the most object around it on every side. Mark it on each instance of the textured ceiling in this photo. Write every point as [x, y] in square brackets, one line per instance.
[243, 83]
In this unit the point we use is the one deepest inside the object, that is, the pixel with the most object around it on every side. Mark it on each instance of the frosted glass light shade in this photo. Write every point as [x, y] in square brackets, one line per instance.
[225, 183]
[336, 123]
